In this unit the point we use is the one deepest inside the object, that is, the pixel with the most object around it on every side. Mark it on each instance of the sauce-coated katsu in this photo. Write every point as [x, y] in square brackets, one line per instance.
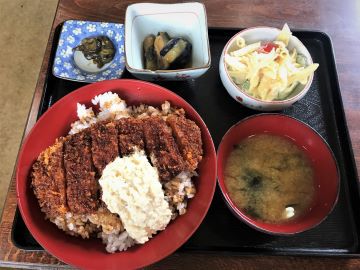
[188, 139]
[48, 180]
[104, 144]
[82, 186]
[131, 135]
[65, 175]
[162, 148]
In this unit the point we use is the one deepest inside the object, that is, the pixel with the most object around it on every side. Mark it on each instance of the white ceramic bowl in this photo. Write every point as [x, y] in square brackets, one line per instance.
[252, 35]
[186, 20]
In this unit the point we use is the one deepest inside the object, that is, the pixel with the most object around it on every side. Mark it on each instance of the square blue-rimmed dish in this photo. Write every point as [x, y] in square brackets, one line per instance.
[72, 33]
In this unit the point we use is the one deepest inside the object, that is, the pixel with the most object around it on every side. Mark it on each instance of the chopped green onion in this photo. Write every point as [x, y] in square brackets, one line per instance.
[300, 59]
[245, 85]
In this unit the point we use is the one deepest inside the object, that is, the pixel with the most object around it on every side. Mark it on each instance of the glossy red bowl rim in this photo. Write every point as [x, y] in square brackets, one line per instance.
[238, 212]
[21, 194]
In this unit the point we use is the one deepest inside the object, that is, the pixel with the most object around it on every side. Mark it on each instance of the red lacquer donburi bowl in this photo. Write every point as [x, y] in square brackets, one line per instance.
[91, 254]
[326, 173]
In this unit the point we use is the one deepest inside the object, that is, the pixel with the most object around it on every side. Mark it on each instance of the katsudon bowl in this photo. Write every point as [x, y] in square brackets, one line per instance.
[90, 253]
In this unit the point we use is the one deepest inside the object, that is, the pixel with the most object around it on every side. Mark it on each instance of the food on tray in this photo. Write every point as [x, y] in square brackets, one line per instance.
[104, 144]
[160, 42]
[48, 180]
[149, 53]
[188, 138]
[268, 70]
[81, 185]
[131, 135]
[131, 188]
[93, 53]
[162, 52]
[270, 178]
[162, 148]
[121, 174]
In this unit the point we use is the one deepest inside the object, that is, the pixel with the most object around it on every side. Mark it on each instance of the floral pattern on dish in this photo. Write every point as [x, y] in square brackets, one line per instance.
[72, 33]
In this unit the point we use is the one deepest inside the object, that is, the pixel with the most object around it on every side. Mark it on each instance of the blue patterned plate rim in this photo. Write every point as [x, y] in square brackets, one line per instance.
[72, 32]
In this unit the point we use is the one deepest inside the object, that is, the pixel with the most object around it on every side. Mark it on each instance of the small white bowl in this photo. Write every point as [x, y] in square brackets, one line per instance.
[186, 20]
[252, 35]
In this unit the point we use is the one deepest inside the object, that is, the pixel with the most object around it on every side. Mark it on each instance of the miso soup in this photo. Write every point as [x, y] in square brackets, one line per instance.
[270, 178]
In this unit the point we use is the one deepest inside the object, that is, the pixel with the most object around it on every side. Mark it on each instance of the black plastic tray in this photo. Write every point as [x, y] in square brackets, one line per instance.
[321, 108]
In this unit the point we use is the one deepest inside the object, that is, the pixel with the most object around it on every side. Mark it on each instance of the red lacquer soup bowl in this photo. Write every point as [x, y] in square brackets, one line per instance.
[91, 254]
[326, 173]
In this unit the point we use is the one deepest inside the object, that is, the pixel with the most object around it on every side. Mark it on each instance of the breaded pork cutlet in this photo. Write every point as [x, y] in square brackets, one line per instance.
[104, 144]
[82, 186]
[162, 149]
[188, 138]
[131, 135]
[48, 181]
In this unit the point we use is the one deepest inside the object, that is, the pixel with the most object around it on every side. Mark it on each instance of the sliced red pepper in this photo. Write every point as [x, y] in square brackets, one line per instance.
[267, 47]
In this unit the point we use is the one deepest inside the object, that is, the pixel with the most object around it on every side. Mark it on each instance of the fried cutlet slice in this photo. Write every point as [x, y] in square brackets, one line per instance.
[162, 148]
[82, 186]
[188, 138]
[131, 135]
[48, 180]
[104, 144]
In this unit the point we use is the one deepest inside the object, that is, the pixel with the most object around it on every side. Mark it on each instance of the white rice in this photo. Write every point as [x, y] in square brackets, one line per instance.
[86, 119]
[75, 224]
[144, 111]
[116, 241]
[111, 106]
